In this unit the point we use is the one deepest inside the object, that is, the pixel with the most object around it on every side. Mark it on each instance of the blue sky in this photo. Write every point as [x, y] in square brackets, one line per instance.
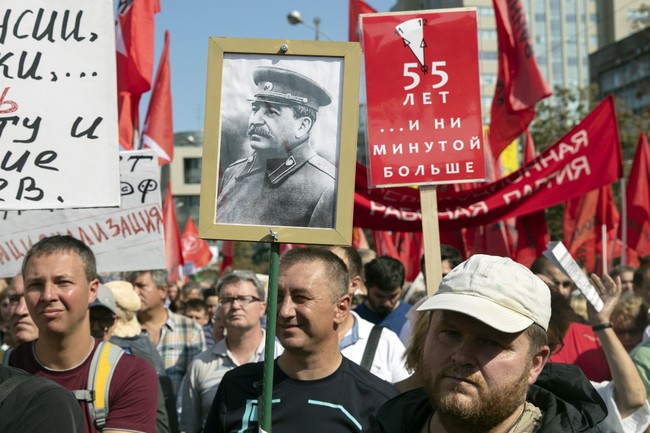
[192, 22]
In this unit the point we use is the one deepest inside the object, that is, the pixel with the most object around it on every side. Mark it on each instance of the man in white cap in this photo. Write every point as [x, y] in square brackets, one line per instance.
[483, 358]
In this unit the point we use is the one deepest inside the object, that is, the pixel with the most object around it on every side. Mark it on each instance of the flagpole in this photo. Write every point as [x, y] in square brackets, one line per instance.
[623, 222]
[269, 353]
[603, 240]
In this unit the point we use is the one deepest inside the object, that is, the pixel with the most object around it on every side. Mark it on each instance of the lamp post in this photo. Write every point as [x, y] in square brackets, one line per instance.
[295, 17]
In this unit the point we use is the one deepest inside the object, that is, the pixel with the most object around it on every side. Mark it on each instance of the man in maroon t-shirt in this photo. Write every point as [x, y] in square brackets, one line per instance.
[60, 283]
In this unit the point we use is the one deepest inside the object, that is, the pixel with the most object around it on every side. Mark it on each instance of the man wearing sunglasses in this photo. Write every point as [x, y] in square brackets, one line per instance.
[242, 304]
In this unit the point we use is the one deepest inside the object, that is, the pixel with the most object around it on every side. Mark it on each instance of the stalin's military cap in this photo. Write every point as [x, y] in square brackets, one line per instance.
[282, 86]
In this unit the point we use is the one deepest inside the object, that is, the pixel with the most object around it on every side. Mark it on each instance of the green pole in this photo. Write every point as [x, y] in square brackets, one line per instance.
[269, 355]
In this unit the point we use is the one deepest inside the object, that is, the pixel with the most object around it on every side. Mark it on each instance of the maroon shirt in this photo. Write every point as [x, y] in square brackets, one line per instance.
[132, 397]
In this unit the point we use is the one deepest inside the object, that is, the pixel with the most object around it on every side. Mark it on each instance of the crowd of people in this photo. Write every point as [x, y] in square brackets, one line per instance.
[498, 348]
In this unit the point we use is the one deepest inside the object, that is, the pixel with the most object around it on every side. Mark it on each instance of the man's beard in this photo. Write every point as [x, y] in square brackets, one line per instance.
[488, 409]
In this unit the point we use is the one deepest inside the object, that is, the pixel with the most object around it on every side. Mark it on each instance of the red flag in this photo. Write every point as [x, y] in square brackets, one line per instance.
[195, 249]
[638, 200]
[384, 244]
[532, 231]
[357, 7]
[227, 254]
[173, 248]
[127, 106]
[409, 247]
[582, 222]
[134, 32]
[359, 239]
[520, 84]
[158, 131]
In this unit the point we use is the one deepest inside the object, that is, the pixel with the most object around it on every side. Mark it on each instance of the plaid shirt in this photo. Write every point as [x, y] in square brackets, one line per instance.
[180, 341]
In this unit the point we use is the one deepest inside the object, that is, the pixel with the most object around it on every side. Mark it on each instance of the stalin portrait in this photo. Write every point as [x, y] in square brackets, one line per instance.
[284, 181]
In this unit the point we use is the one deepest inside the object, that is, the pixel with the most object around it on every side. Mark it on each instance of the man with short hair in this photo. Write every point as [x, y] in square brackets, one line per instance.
[561, 282]
[355, 342]
[177, 338]
[22, 327]
[384, 280]
[283, 169]
[60, 282]
[483, 358]
[243, 304]
[315, 388]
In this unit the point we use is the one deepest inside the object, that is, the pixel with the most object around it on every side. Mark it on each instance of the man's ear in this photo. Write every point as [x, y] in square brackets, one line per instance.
[342, 307]
[304, 127]
[538, 362]
[94, 287]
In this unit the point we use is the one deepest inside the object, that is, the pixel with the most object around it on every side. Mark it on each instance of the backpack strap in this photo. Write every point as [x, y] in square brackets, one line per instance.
[371, 347]
[7, 387]
[100, 373]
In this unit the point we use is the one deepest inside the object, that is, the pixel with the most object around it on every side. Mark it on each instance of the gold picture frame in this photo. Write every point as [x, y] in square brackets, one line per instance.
[246, 194]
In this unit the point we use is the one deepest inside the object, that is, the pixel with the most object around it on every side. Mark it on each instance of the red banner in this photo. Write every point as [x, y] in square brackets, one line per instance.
[520, 84]
[158, 131]
[638, 200]
[357, 7]
[423, 98]
[586, 158]
[173, 248]
[195, 249]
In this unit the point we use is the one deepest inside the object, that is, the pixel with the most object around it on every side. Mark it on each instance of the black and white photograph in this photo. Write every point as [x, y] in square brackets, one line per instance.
[279, 140]
[280, 144]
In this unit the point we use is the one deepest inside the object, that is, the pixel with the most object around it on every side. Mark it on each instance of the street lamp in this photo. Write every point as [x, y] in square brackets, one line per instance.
[294, 18]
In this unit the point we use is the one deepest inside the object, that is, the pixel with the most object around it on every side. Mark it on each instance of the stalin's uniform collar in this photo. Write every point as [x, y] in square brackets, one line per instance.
[278, 169]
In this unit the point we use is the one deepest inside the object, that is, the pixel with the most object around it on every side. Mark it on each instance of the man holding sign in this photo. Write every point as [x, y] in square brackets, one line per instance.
[284, 181]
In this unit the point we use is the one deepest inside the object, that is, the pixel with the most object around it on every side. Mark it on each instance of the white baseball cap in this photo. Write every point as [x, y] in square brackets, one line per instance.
[497, 291]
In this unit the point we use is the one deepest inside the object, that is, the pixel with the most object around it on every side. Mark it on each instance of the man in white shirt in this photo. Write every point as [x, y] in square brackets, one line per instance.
[387, 362]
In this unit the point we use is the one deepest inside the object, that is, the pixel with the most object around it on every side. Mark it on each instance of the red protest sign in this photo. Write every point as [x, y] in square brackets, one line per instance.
[422, 90]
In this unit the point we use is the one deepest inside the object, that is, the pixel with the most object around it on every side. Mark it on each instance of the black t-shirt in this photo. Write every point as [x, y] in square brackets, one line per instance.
[341, 402]
[38, 405]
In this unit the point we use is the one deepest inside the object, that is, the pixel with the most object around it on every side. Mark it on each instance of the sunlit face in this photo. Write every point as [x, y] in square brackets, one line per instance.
[307, 314]
[629, 333]
[22, 326]
[213, 303]
[561, 283]
[58, 293]
[199, 316]
[273, 130]
[240, 315]
[151, 296]
[474, 374]
[627, 284]
[382, 301]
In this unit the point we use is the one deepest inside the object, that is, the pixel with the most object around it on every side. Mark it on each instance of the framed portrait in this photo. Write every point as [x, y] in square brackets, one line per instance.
[280, 139]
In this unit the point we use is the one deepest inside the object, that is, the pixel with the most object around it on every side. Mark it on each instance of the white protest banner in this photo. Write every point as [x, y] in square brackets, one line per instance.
[123, 239]
[58, 105]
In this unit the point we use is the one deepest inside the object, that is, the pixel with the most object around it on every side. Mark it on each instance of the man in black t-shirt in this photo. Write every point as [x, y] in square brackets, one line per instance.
[315, 388]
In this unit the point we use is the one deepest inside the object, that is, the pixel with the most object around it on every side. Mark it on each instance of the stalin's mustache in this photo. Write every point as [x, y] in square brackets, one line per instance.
[258, 130]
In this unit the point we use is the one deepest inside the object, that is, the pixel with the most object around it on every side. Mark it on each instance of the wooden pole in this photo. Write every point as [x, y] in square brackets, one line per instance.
[431, 236]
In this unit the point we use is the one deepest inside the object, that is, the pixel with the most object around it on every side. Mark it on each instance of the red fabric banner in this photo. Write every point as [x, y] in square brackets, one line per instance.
[359, 239]
[158, 131]
[195, 249]
[638, 200]
[532, 231]
[134, 33]
[586, 158]
[227, 254]
[520, 84]
[357, 7]
[173, 248]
